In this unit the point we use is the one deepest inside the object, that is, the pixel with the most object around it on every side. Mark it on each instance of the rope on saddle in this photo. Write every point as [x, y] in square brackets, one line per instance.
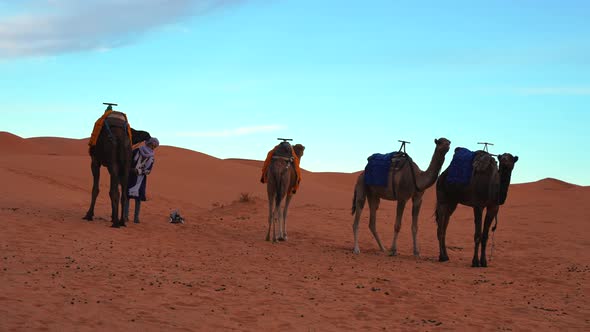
[106, 125]
[413, 173]
[123, 124]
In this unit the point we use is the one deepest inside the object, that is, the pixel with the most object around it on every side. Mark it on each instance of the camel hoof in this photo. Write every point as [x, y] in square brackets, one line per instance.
[114, 225]
[416, 254]
[392, 253]
[281, 239]
[87, 217]
[483, 263]
[443, 258]
[475, 263]
[356, 251]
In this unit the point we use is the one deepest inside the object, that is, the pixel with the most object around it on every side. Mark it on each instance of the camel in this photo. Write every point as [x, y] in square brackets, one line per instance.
[281, 183]
[487, 188]
[112, 150]
[406, 182]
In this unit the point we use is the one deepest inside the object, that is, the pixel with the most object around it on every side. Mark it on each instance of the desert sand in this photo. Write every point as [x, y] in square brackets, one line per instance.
[216, 272]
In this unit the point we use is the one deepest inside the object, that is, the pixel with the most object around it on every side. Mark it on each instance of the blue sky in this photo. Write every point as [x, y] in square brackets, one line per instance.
[344, 78]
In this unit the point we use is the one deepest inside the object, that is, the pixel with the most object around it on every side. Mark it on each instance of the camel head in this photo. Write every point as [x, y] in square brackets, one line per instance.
[442, 144]
[298, 148]
[507, 162]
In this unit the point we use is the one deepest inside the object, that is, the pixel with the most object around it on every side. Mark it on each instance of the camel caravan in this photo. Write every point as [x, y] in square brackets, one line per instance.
[473, 178]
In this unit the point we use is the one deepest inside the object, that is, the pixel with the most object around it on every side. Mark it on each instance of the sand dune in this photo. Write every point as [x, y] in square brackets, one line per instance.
[216, 272]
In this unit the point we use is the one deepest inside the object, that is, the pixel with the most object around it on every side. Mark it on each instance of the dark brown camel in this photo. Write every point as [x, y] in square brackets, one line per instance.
[112, 150]
[488, 188]
[281, 181]
[410, 183]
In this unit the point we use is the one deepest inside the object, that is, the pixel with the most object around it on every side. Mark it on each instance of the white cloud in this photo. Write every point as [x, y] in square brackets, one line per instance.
[233, 132]
[581, 91]
[62, 26]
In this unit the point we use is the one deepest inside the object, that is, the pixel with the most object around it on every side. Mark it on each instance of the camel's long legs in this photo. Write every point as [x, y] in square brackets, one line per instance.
[115, 196]
[270, 214]
[373, 207]
[285, 210]
[477, 214]
[95, 168]
[491, 212]
[416, 204]
[401, 205]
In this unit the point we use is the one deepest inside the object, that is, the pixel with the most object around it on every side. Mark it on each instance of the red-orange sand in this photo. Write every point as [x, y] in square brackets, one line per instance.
[216, 272]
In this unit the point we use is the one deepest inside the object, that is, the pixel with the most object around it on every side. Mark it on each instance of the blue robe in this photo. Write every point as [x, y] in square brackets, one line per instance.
[138, 182]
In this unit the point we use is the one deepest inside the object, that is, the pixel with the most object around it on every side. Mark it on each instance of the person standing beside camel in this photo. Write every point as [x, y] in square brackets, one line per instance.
[141, 166]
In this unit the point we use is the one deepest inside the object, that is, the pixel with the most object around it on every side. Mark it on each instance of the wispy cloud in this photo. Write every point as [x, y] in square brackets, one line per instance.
[233, 132]
[580, 91]
[62, 26]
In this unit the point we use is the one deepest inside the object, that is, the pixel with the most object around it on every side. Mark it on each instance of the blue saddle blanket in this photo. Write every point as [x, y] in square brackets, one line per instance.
[377, 169]
[461, 166]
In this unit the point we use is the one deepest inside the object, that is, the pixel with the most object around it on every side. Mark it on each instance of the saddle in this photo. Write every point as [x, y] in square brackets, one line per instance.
[284, 151]
[117, 119]
[483, 161]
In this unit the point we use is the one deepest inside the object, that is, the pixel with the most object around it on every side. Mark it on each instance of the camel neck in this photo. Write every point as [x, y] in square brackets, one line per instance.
[428, 177]
[505, 176]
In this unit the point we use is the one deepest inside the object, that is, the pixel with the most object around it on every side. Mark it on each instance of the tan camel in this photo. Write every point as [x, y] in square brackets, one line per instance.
[409, 182]
[281, 183]
[488, 188]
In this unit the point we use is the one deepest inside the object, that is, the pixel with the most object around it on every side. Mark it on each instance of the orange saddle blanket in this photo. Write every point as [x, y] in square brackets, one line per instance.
[100, 123]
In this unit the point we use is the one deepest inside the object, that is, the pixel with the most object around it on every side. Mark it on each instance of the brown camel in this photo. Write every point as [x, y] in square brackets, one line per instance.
[487, 188]
[281, 182]
[112, 150]
[406, 182]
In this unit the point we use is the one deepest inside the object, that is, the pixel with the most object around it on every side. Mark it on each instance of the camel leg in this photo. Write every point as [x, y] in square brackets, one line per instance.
[95, 168]
[373, 206]
[452, 208]
[287, 201]
[270, 214]
[358, 202]
[126, 211]
[401, 205]
[491, 213]
[276, 219]
[477, 214]
[123, 180]
[443, 216]
[114, 194]
[416, 204]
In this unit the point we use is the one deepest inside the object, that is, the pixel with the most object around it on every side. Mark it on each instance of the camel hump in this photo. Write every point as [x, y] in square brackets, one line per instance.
[117, 115]
[284, 149]
[482, 161]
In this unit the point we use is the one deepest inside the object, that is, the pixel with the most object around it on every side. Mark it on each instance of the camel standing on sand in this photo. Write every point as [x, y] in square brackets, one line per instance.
[112, 150]
[488, 188]
[281, 180]
[408, 182]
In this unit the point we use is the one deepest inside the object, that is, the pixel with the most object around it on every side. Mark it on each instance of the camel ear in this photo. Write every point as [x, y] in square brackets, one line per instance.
[515, 158]
[436, 141]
